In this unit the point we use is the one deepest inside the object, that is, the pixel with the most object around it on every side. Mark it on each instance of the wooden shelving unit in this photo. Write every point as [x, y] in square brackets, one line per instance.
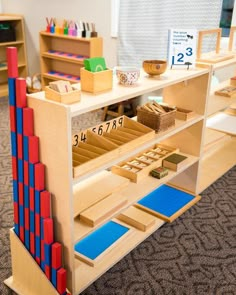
[62, 56]
[17, 22]
[187, 89]
[219, 147]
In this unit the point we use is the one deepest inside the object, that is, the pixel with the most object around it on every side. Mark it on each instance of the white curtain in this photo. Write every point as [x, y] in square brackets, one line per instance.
[144, 24]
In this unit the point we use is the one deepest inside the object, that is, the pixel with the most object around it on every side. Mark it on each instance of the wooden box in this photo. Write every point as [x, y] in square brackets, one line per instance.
[96, 82]
[183, 114]
[140, 165]
[101, 144]
[66, 98]
[228, 91]
[174, 161]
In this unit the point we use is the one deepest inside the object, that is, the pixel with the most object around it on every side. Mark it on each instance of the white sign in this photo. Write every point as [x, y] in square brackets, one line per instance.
[182, 47]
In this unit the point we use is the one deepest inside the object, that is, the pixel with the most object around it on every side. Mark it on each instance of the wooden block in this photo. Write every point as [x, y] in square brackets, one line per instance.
[96, 82]
[28, 121]
[96, 188]
[21, 93]
[137, 218]
[66, 98]
[103, 209]
[174, 161]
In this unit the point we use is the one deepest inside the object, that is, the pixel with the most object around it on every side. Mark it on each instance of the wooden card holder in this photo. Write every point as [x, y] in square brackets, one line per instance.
[211, 57]
[66, 98]
[96, 82]
[112, 139]
[140, 166]
[228, 91]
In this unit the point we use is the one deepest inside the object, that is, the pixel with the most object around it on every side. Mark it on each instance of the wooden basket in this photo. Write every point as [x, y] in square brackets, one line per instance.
[158, 122]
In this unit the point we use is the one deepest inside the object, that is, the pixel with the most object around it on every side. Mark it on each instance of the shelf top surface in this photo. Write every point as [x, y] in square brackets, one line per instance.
[44, 33]
[146, 84]
[4, 17]
[221, 64]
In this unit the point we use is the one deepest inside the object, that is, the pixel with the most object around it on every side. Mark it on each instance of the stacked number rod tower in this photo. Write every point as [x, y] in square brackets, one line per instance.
[33, 230]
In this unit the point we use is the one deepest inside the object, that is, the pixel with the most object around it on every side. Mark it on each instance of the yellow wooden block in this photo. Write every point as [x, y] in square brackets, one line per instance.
[137, 218]
[103, 209]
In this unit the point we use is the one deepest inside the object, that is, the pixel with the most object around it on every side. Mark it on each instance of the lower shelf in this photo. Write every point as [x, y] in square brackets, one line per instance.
[85, 274]
[219, 161]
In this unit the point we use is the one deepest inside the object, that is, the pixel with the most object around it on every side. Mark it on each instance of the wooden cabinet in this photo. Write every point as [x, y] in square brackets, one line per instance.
[187, 89]
[17, 22]
[62, 56]
[219, 144]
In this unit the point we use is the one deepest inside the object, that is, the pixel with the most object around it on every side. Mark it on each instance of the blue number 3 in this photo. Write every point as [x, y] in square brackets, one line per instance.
[189, 51]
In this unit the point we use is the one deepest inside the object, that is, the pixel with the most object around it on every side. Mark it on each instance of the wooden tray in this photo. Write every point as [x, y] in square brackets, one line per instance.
[139, 166]
[66, 98]
[105, 142]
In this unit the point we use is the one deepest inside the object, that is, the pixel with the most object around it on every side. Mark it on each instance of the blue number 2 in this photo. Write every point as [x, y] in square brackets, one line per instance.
[180, 57]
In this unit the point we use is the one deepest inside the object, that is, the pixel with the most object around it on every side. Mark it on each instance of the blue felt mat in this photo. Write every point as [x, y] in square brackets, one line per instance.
[102, 238]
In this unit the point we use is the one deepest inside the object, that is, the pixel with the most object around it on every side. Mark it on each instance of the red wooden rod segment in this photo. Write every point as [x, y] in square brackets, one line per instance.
[32, 243]
[14, 168]
[56, 255]
[12, 62]
[28, 121]
[48, 271]
[21, 193]
[48, 230]
[45, 204]
[39, 179]
[20, 146]
[33, 149]
[12, 111]
[31, 198]
[21, 93]
[61, 280]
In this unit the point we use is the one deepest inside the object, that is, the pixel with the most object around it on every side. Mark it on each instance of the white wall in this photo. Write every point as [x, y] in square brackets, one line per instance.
[35, 12]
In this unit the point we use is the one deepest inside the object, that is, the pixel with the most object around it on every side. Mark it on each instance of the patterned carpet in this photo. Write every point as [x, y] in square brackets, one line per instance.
[195, 255]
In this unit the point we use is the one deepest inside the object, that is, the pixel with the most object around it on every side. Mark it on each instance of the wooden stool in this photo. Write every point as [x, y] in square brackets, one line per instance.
[126, 107]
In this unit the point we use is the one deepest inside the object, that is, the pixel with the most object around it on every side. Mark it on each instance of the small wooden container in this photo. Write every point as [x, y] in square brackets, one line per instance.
[96, 82]
[66, 98]
[158, 122]
[233, 81]
[183, 114]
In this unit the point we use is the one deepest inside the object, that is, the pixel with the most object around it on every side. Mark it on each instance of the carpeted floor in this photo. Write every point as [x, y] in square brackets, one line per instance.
[194, 255]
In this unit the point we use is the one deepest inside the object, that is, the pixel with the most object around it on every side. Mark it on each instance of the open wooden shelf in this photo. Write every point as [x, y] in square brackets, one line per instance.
[87, 47]
[216, 162]
[187, 89]
[17, 22]
[133, 192]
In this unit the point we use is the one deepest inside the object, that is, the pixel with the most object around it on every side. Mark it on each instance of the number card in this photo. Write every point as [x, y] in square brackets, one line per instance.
[182, 47]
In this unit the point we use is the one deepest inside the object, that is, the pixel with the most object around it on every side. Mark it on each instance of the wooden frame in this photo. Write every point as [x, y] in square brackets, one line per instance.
[231, 38]
[215, 56]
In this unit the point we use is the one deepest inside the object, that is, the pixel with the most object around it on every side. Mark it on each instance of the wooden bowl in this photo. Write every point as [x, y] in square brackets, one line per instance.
[154, 67]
